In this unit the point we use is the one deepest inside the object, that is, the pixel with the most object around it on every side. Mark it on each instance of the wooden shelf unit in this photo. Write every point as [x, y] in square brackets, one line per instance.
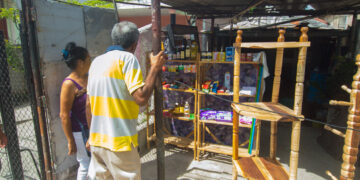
[201, 125]
[270, 168]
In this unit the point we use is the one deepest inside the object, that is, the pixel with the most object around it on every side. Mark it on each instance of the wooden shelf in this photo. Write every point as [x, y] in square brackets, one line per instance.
[182, 142]
[227, 62]
[226, 94]
[260, 168]
[254, 110]
[182, 61]
[225, 123]
[223, 149]
[180, 90]
[182, 118]
[272, 45]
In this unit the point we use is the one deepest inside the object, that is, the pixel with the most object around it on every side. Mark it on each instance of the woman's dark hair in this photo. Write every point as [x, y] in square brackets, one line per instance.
[73, 53]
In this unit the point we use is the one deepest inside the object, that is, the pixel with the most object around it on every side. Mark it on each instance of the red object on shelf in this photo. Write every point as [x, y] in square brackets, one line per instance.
[166, 86]
[164, 68]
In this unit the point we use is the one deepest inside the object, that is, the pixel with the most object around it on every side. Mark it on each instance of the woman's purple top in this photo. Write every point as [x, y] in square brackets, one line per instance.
[78, 110]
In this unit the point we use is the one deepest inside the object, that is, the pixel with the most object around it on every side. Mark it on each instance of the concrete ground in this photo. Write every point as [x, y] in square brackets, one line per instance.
[179, 163]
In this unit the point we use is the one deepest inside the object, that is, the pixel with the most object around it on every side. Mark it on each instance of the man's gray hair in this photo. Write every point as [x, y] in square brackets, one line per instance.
[125, 34]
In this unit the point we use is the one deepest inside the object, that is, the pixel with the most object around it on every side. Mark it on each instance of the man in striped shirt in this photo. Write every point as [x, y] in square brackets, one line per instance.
[115, 91]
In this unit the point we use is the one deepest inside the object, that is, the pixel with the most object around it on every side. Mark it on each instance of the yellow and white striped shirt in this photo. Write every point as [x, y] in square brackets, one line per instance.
[113, 77]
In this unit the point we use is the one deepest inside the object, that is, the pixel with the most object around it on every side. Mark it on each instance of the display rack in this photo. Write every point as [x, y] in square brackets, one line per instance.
[270, 168]
[202, 128]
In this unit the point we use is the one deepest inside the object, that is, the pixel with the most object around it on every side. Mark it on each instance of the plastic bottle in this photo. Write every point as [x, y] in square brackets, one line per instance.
[227, 80]
[187, 51]
[187, 109]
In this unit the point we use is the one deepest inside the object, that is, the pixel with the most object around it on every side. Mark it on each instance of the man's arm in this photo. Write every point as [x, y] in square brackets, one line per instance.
[142, 95]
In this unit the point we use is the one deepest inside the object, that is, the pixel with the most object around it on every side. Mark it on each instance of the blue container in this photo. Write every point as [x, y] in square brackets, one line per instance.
[230, 52]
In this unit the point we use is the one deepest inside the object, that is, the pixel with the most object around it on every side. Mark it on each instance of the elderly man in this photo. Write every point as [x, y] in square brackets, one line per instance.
[115, 91]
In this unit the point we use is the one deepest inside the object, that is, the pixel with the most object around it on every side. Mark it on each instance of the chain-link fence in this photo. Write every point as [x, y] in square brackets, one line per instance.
[20, 158]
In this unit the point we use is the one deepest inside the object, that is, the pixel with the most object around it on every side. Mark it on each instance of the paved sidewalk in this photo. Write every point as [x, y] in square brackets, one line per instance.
[179, 164]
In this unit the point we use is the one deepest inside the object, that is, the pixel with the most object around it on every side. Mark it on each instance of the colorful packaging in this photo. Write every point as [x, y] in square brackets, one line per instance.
[249, 56]
[245, 120]
[230, 52]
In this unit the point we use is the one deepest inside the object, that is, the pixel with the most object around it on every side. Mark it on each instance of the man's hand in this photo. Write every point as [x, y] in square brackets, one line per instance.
[3, 140]
[72, 148]
[158, 60]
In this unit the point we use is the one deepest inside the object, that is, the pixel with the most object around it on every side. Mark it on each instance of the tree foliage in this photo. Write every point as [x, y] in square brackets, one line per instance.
[92, 3]
[11, 14]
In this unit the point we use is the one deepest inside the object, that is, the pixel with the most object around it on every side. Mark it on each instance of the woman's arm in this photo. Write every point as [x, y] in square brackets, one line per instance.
[67, 96]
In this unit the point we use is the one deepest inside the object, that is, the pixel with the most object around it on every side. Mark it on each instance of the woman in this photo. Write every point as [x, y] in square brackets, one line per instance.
[73, 105]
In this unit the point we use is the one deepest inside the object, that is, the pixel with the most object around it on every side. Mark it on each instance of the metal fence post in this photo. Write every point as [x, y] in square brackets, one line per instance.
[29, 81]
[8, 115]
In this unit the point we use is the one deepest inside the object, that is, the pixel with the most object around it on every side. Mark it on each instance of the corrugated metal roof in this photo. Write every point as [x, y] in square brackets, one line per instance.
[230, 8]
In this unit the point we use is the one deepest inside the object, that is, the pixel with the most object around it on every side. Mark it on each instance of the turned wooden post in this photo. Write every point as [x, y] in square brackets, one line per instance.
[352, 137]
[275, 92]
[299, 88]
[196, 106]
[236, 89]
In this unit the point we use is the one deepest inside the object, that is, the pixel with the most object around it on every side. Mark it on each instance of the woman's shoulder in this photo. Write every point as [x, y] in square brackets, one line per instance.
[68, 82]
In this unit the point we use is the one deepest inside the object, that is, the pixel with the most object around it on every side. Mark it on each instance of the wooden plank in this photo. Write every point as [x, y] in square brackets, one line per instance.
[262, 168]
[224, 149]
[229, 62]
[179, 90]
[273, 45]
[212, 135]
[249, 169]
[227, 94]
[275, 169]
[224, 123]
[182, 61]
[254, 110]
[179, 141]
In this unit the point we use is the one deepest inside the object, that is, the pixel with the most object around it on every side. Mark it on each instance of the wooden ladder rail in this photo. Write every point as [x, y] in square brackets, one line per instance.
[275, 92]
[236, 85]
[298, 100]
[352, 137]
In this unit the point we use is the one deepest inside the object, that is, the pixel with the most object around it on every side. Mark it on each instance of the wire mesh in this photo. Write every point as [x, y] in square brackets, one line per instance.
[19, 98]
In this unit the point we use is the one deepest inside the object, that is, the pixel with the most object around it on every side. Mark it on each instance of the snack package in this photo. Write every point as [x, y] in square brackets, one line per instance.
[245, 119]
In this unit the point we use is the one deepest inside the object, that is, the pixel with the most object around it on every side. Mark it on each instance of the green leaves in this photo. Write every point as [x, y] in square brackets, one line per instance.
[92, 3]
[11, 14]
[14, 56]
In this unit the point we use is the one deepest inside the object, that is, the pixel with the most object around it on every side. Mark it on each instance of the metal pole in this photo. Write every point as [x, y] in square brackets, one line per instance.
[29, 20]
[8, 115]
[212, 35]
[354, 35]
[116, 11]
[160, 149]
[29, 78]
